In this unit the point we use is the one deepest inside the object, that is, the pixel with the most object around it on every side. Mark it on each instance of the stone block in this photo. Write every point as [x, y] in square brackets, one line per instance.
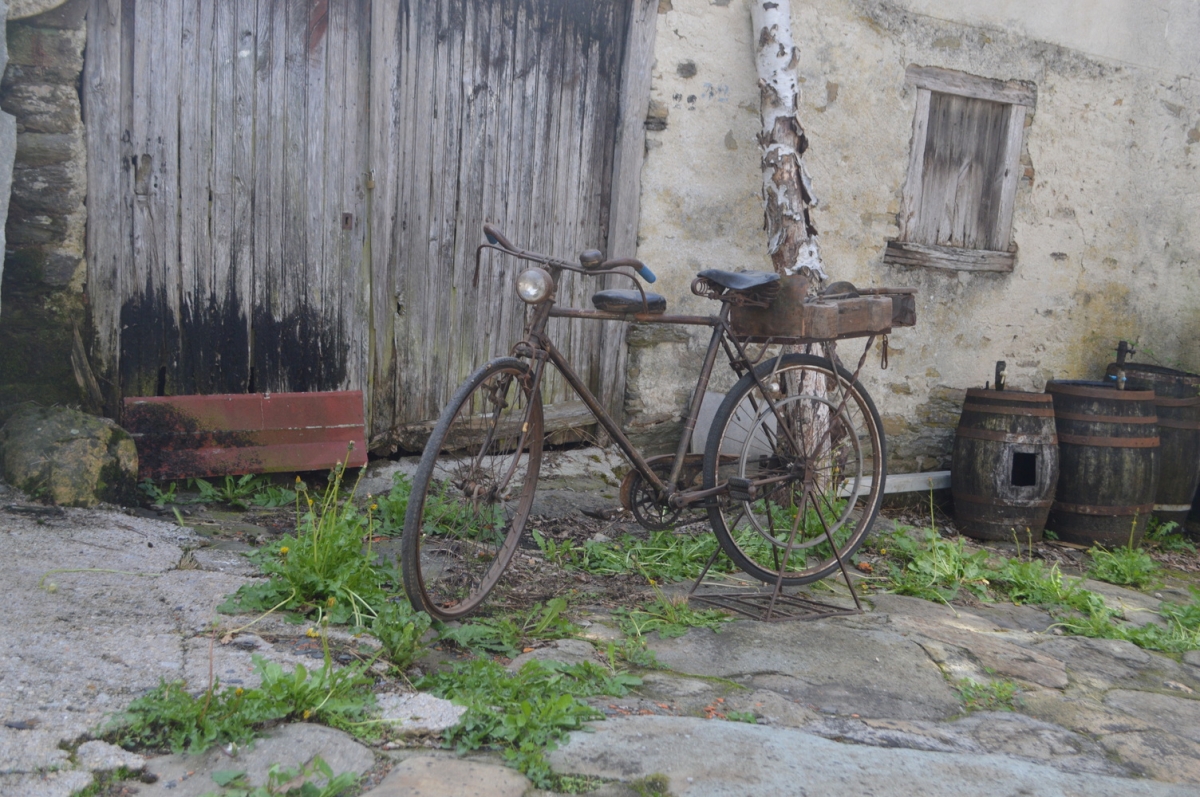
[69, 458]
[41, 149]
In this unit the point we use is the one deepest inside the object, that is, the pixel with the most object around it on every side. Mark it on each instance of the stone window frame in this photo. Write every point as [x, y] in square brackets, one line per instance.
[908, 249]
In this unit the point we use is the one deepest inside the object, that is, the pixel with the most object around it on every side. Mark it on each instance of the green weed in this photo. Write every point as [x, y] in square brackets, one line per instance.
[990, 696]
[633, 651]
[158, 496]
[741, 716]
[1131, 567]
[665, 556]
[656, 785]
[324, 568]
[670, 618]
[936, 569]
[509, 635]
[171, 717]
[400, 631]
[523, 713]
[282, 782]
[565, 554]
[1167, 537]
[236, 491]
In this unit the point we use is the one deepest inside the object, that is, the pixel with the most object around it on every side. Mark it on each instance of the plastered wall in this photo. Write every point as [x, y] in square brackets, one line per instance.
[1106, 211]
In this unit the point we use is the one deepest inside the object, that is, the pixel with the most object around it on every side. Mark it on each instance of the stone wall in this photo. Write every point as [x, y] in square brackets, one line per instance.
[44, 271]
[1105, 212]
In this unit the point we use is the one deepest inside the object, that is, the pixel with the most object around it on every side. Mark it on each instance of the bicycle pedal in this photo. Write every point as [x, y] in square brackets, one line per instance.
[741, 489]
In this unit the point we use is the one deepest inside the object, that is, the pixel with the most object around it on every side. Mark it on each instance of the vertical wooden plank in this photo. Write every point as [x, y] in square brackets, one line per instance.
[199, 352]
[232, 340]
[911, 195]
[269, 108]
[354, 262]
[1014, 138]
[109, 249]
[383, 96]
[243, 168]
[320, 133]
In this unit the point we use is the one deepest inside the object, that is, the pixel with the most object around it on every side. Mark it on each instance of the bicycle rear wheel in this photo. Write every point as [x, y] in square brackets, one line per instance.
[473, 491]
[822, 461]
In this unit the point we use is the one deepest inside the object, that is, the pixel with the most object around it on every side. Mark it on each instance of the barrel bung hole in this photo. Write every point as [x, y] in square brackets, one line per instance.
[1024, 469]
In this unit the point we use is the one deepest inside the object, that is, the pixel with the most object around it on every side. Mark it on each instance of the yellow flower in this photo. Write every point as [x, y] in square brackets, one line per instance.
[331, 601]
[883, 551]
[310, 502]
[312, 632]
[297, 480]
[374, 507]
[239, 691]
[306, 714]
[283, 550]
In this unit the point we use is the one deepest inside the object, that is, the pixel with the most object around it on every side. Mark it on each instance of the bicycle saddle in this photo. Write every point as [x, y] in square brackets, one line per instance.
[628, 301]
[739, 281]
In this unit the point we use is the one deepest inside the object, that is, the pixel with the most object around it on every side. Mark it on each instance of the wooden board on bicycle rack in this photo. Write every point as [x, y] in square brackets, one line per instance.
[791, 319]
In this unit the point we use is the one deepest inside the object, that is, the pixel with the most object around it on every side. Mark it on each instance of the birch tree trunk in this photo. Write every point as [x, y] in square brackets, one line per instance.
[787, 189]
[788, 199]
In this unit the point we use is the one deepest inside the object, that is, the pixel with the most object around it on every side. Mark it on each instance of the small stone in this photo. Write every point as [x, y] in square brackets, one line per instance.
[417, 712]
[97, 756]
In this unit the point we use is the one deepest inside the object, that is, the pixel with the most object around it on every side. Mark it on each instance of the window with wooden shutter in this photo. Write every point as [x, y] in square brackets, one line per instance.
[963, 172]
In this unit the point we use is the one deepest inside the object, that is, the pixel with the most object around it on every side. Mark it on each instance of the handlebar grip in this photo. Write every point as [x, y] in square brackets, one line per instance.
[496, 238]
[633, 263]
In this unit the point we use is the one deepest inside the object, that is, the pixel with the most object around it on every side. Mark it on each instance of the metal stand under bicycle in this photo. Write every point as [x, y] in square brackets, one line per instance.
[777, 605]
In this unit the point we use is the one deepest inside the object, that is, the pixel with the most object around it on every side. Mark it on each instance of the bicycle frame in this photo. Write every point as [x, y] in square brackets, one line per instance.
[537, 347]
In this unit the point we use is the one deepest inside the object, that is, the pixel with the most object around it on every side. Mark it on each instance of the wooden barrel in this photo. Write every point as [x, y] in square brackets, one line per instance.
[1005, 465]
[1177, 399]
[1107, 462]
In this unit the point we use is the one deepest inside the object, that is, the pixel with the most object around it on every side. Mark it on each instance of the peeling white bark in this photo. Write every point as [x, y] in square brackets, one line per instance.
[787, 188]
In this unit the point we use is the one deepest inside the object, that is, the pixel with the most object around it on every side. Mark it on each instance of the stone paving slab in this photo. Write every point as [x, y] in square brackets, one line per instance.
[291, 746]
[1175, 714]
[710, 758]
[821, 663]
[44, 784]
[437, 776]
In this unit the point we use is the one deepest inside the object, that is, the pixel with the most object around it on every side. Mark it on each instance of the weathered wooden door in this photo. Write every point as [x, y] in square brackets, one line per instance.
[227, 168]
[491, 110]
[286, 195]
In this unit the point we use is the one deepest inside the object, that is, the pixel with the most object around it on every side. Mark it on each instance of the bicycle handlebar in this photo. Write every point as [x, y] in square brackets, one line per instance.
[497, 238]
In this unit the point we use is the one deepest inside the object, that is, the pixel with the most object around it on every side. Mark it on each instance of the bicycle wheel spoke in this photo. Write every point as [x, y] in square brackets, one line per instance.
[833, 440]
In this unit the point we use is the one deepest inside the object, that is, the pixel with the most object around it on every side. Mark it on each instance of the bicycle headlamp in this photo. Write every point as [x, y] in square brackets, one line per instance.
[535, 285]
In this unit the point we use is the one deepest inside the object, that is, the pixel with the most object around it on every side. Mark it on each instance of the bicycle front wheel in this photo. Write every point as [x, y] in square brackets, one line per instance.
[811, 443]
[473, 491]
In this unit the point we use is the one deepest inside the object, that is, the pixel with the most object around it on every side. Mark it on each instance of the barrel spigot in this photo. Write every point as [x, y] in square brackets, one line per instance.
[1000, 365]
[1121, 378]
[1124, 350]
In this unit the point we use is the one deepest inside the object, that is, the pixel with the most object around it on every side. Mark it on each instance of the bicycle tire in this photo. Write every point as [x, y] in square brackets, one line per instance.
[823, 473]
[472, 491]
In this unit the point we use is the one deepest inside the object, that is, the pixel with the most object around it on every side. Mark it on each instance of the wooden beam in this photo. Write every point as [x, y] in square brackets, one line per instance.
[950, 81]
[625, 207]
[905, 253]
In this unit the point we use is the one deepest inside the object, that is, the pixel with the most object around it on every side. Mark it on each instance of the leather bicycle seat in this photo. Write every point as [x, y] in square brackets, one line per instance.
[739, 280]
[628, 301]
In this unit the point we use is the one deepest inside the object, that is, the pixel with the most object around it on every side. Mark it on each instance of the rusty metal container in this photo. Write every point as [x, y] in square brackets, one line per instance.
[1177, 401]
[1005, 465]
[1108, 449]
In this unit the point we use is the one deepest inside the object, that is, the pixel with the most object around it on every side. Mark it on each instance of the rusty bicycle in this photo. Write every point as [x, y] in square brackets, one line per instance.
[793, 469]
